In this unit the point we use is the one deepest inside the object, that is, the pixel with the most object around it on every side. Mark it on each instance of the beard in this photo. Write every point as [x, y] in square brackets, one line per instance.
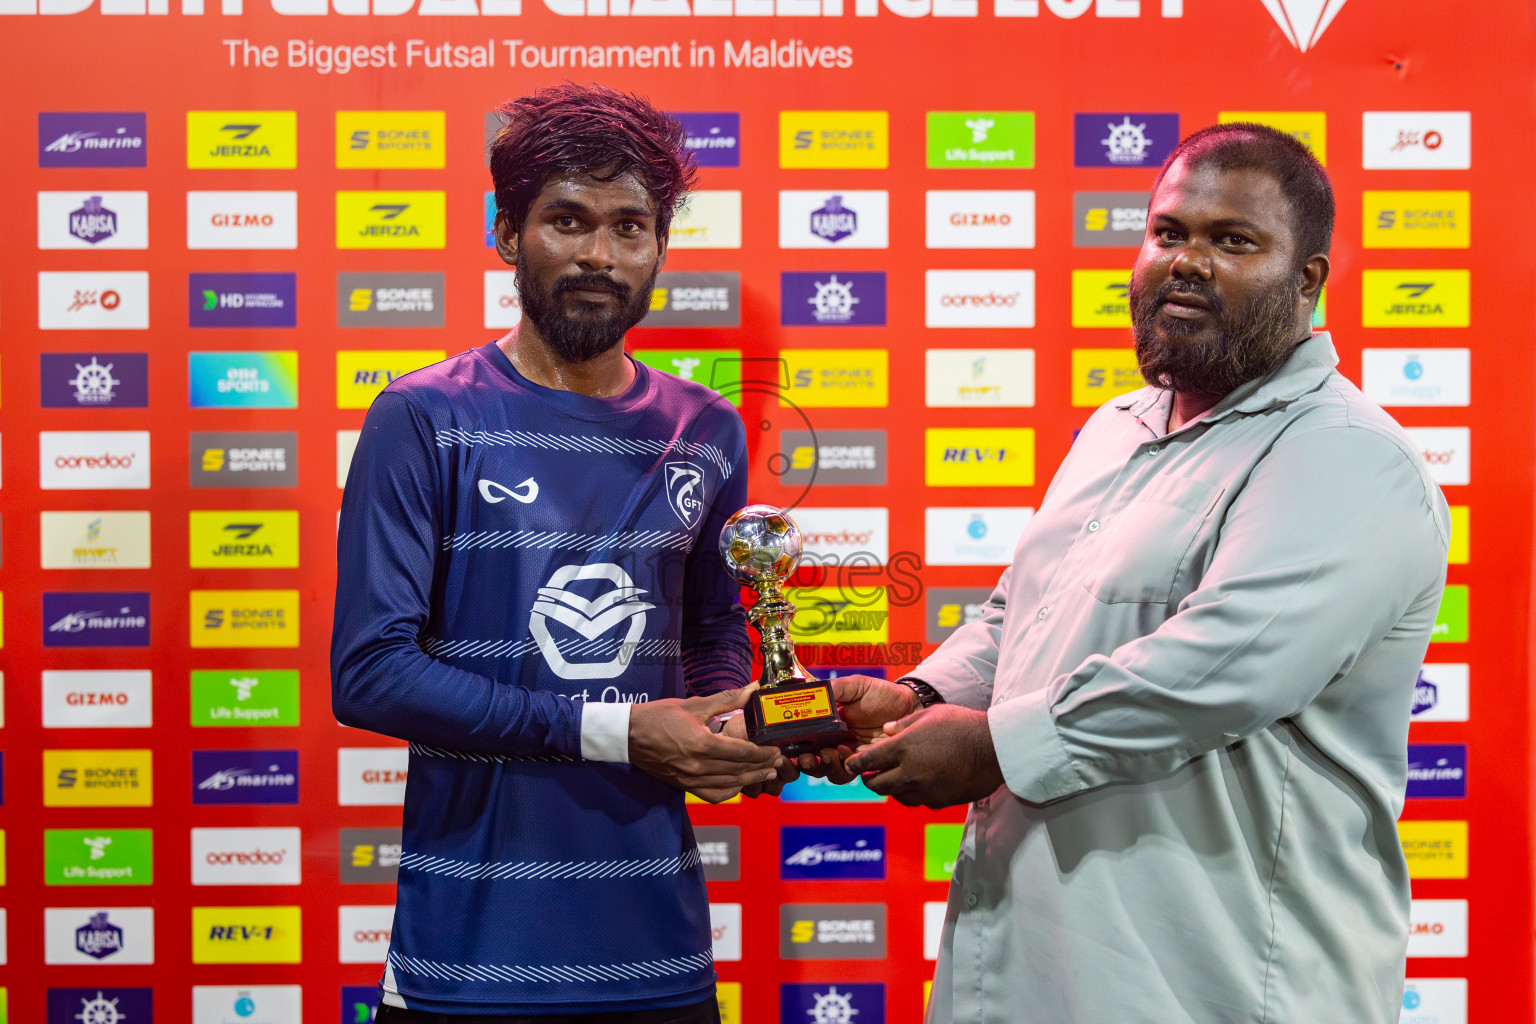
[1250, 341]
[591, 329]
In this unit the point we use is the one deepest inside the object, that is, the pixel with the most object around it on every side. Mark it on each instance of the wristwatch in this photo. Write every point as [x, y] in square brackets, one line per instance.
[926, 695]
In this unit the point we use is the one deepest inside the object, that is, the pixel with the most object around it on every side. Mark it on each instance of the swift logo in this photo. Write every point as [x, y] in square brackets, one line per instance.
[1303, 21]
[590, 618]
[495, 493]
[683, 479]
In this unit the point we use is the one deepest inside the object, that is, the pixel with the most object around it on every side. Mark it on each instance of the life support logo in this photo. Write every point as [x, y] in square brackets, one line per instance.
[591, 618]
[685, 490]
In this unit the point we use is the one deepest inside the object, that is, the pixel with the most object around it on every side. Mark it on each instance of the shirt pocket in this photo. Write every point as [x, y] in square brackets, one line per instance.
[1141, 549]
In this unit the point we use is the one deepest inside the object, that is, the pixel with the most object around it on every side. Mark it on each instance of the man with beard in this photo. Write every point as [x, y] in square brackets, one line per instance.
[529, 584]
[1183, 717]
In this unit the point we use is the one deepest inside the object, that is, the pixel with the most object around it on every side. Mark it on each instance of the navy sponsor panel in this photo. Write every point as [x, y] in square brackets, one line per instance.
[101, 1005]
[832, 299]
[359, 1004]
[1437, 770]
[242, 300]
[1123, 139]
[832, 851]
[832, 1003]
[245, 776]
[95, 380]
[91, 140]
[713, 139]
[96, 619]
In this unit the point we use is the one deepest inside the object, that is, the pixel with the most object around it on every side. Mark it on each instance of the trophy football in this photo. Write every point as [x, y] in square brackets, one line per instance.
[791, 710]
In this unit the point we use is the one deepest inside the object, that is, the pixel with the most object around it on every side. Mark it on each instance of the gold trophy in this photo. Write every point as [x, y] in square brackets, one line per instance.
[792, 710]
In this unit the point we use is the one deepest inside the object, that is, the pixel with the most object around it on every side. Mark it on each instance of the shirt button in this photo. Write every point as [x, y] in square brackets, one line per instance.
[1153, 449]
[1093, 527]
[971, 900]
[1043, 613]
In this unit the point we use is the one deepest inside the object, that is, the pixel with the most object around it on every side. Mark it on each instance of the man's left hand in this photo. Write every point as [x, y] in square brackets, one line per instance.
[788, 772]
[935, 757]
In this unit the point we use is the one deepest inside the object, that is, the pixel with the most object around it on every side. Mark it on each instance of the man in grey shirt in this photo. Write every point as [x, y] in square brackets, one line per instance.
[1183, 717]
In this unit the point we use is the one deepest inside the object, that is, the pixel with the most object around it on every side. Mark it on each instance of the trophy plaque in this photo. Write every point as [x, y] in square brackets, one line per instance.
[791, 710]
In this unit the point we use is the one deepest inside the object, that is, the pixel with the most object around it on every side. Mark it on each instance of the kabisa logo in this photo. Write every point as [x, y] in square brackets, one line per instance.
[245, 776]
[685, 490]
[1123, 139]
[99, 938]
[847, 852]
[495, 493]
[834, 221]
[100, 1005]
[96, 619]
[1303, 21]
[93, 222]
[862, 1003]
[713, 139]
[95, 380]
[590, 619]
[91, 140]
[836, 299]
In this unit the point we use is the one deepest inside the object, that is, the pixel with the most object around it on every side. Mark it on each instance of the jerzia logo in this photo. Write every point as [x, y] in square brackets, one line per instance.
[685, 490]
[1303, 21]
[590, 618]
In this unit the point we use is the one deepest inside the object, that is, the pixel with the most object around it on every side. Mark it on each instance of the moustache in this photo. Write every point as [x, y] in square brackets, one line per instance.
[1172, 290]
[592, 283]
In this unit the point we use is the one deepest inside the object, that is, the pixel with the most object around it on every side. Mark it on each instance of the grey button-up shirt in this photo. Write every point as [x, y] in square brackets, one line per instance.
[1198, 673]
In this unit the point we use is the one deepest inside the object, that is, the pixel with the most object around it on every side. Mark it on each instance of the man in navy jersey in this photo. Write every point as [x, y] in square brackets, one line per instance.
[529, 589]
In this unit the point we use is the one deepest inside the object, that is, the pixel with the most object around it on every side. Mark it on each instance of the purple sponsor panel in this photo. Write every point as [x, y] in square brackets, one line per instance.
[100, 1005]
[1437, 770]
[838, 1003]
[1122, 139]
[242, 300]
[359, 1003]
[245, 776]
[96, 619]
[713, 139]
[91, 140]
[832, 852]
[832, 299]
[95, 380]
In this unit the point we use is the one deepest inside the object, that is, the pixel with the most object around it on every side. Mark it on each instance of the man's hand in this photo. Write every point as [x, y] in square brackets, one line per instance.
[787, 772]
[936, 757]
[865, 705]
[670, 739]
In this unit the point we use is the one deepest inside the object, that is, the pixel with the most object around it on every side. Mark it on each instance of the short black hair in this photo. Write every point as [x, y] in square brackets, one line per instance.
[591, 128]
[1244, 145]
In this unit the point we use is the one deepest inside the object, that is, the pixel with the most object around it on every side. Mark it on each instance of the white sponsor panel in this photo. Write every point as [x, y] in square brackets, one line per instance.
[1437, 928]
[4, 939]
[981, 219]
[95, 936]
[97, 699]
[242, 220]
[1416, 140]
[93, 220]
[95, 540]
[832, 536]
[711, 219]
[973, 536]
[2, 711]
[992, 377]
[834, 219]
[246, 856]
[346, 445]
[371, 776]
[933, 929]
[246, 1004]
[1434, 1001]
[93, 460]
[503, 308]
[365, 934]
[1446, 450]
[1417, 376]
[980, 298]
[93, 301]
[1443, 693]
[725, 930]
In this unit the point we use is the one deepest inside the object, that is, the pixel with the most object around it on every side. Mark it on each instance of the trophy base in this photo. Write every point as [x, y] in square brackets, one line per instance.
[798, 718]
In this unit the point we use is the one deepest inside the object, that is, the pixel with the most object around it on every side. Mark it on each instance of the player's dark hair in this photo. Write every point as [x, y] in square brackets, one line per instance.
[1245, 146]
[592, 129]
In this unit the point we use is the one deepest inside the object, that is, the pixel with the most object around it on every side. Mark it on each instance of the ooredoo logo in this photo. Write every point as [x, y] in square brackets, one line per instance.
[91, 460]
[246, 856]
[980, 298]
[364, 934]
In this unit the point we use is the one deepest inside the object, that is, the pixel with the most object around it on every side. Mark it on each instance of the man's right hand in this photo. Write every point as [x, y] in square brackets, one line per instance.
[670, 739]
[865, 705]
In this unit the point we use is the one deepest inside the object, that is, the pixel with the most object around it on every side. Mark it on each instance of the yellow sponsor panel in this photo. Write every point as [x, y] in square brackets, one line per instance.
[691, 799]
[361, 375]
[98, 778]
[391, 220]
[1101, 298]
[728, 996]
[1416, 298]
[1307, 126]
[245, 618]
[243, 539]
[242, 138]
[1417, 220]
[390, 138]
[1099, 374]
[1435, 849]
[834, 138]
[825, 378]
[247, 935]
[840, 615]
[980, 457]
[1460, 551]
[927, 994]
[2, 856]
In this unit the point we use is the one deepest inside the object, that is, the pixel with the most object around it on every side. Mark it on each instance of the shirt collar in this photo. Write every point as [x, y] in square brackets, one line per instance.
[1308, 365]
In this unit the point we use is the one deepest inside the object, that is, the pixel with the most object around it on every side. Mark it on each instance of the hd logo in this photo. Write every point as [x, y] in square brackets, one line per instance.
[1101, 298]
[265, 139]
[391, 220]
[1416, 298]
[371, 139]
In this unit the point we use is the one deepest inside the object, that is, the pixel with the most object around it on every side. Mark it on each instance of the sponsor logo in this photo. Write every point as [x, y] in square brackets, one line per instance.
[1303, 21]
[85, 856]
[1416, 298]
[1442, 693]
[727, 1000]
[685, 490]
[981, 220]
[832, 299]
[832, 931]
[246, 935]
[244, 618]
[99, 935]
[369, 139]
[91, 140]
[95, 380]
[980, 298]
[346, 447]
[834, 138]
[1435, 849]
[973, 536]
[1108, 220]
[1434, 1001]
[695, 299]
[717, 369]
[245, 776]
[95, 540]
[993, 138]
[96, 699]
[360, 376]
[840, 615]
[93, 300]
[719, 851]
[1099, 374]
[1437, 928]
[364, 937]
[832, 851]
[1123, 139]
[831, 457]
[1446, 451]
[949, 608]
[1428, 377]
[245, 697]
[491, 211]
[389, 300]
[503, 306]
[1308, 127]
[969, 457]
[82, 220]
[246, 539]
[391, 220]
[725, 930]
[371, 776]
[100, 1005]
[1417, 220]
[807, 789]
[838, 536]
[242, 300]
[831, 1004]
[245, 459]
[494, 493]
[834, 220]
[1451, 621]
[243, 380]
[246, 1004]
[93, 460]
[709, 219]
[360, 1003]
[96, 619]
[933, 932]
[821, 378]
[941, 850]
[991, 377]
[615, 603]
[1416, 140]
[1437, 770]
[242, 220]
[713, 139]
[1460, 550]
[246, 856]
[370, 855]
[1101, 298]
[242, 138]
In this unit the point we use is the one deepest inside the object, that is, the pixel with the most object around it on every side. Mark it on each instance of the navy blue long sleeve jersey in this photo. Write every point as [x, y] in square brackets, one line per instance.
[515, 565]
